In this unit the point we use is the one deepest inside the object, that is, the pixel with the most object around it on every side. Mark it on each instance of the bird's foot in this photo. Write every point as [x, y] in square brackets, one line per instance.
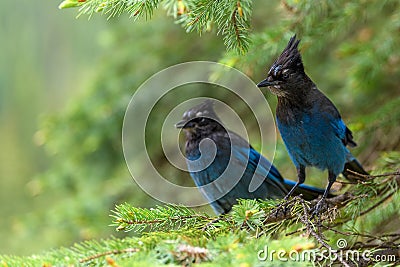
[282, 208]
[318, 208]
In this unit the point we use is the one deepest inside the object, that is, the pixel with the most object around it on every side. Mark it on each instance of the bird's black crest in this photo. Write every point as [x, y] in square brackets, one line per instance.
[204, 109]
[290, 57]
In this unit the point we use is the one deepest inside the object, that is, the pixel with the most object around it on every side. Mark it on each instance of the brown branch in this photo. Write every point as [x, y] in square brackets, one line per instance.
[360, 245]
[369, 176]
[288, 7]
[121, 220]
[377, 203]
[139, 9]
[209, 224]
[371, 237]
[279, 213]
[192, 22]
[339, 201]
[235, 26]
[296, 231]
[306, 222]
[106, 253]
[380, 192]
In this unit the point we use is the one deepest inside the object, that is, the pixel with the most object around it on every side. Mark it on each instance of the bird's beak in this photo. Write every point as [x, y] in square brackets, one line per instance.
[265, 83]
[180, 124]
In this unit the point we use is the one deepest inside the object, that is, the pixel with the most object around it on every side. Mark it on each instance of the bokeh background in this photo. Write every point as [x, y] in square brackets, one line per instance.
[65, 84]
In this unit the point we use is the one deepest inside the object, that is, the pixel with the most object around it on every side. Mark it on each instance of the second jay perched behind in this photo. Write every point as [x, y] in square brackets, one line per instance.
[222, 164]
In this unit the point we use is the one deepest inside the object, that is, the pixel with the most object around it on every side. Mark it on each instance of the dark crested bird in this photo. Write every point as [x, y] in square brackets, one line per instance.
[223, 165]
[309, 123]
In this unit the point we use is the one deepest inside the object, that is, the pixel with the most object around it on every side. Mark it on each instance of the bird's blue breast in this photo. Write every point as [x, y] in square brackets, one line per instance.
[313, 138]
[207, 167]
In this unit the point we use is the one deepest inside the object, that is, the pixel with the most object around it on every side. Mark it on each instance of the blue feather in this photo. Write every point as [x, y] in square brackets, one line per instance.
[225, 167]
[310, 125]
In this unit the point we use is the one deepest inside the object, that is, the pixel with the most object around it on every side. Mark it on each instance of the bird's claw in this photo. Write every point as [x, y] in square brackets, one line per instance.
[318, 208]
[282, 208]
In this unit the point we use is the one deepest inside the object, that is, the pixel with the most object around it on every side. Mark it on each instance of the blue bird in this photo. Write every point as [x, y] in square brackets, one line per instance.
[223, 165]
[309, 123]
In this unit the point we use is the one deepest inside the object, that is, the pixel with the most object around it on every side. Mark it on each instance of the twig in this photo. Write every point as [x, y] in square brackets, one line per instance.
[369, 176]
[289, 7]
[360, 245]
[111, 252]
[235, 26]
[347, 182]
[296, 231]
[220, 217]
[371, 237]
[121, 220]
[338, 201]
[377, 203]
[305, 220]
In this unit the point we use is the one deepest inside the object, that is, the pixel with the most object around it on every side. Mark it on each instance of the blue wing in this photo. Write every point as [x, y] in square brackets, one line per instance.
[261, 177]
[272, 181]
[342, 132]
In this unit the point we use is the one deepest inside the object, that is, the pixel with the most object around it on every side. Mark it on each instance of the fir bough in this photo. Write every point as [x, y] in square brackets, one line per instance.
[166, 218]
[177, 235]
[230, 18]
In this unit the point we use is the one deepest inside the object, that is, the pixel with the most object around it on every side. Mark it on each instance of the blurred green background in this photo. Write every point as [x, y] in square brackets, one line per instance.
[65, 84]
[47, 58]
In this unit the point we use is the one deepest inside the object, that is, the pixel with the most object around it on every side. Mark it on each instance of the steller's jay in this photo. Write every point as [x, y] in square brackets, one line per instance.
[309, 123]
[224, 165]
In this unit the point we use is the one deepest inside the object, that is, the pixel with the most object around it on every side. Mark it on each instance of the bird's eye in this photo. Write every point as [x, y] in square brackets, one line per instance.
[285, 74]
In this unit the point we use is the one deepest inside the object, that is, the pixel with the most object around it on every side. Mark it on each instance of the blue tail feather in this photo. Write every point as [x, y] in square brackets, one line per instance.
[354, 166]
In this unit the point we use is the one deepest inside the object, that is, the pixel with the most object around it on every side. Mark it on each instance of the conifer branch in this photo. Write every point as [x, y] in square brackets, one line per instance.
[128, 218]
[311, 230]
[181, 235]
[231, 18]
[106, 253]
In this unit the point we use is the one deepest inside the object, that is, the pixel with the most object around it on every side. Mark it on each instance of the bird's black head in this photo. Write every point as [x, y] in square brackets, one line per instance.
[287, 73]
[200, 119]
